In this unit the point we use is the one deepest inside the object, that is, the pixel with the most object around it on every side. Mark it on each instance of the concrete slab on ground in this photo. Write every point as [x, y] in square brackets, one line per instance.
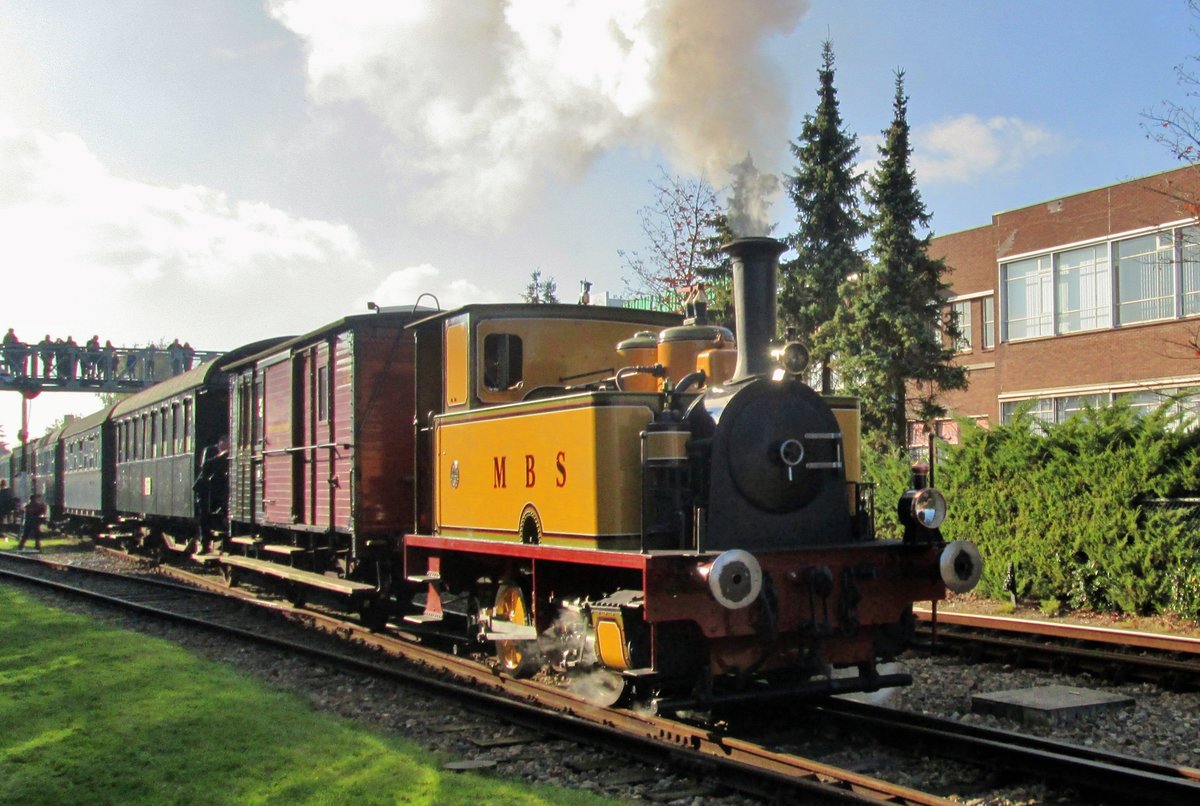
[1048, 705]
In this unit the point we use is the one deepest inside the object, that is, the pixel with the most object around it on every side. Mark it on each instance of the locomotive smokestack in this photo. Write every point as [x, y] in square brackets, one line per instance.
[755, 265]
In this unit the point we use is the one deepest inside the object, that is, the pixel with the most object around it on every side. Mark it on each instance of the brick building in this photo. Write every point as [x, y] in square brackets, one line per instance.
[1079, 300]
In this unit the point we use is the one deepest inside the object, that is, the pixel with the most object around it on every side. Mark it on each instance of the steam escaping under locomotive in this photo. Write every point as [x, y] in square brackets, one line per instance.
[659, 503]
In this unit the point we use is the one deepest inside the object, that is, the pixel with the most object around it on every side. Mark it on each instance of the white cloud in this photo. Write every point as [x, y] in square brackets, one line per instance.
[87, 249]
[406, 287]
[965, 148]
[490, 99]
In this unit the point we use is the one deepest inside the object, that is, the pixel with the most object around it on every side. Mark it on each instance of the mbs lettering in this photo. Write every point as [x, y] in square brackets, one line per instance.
[500, 471]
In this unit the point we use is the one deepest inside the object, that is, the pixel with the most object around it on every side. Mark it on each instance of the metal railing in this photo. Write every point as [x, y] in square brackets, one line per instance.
[71, 368]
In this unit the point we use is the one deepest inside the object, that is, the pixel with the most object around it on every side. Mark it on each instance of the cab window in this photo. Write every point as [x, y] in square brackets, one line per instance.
[502, 360]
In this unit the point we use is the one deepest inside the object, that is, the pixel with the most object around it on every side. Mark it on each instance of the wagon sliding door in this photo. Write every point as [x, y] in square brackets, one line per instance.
[278, 446]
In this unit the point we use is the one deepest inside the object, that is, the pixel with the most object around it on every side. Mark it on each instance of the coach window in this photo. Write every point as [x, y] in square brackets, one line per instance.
[167, 433]
[176, 447]
[187, 426]
[502, 361]
[144, 436]
[154, 432]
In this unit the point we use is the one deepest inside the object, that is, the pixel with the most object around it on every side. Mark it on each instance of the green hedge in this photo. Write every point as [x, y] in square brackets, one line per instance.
[1064, 504]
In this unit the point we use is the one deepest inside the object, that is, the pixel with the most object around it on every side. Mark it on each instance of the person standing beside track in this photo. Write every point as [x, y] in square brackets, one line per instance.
[35, 512]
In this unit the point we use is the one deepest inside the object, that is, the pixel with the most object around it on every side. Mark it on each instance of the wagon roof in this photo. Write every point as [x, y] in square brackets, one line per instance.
[558, 311]
[192, 379]
[402, 315]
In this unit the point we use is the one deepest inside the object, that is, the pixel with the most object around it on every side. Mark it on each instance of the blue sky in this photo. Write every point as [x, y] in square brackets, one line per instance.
[165, 167]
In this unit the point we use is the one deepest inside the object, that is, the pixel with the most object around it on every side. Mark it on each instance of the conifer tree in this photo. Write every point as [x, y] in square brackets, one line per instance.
[539, 291]
[894, 336]
[717, 271]
[824, 189]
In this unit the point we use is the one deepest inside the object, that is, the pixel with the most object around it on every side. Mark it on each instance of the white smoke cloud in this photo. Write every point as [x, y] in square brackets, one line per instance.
[490, 99]
[967, 147]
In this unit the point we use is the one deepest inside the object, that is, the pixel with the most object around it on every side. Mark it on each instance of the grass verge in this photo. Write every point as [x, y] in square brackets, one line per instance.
[90, 714]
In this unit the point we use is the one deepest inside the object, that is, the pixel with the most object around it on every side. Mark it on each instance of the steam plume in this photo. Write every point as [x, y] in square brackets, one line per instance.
[489, 99]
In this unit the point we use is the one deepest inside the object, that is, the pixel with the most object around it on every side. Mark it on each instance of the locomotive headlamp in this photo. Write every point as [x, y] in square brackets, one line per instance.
[794, 358]
[921, 512]
[929, 508]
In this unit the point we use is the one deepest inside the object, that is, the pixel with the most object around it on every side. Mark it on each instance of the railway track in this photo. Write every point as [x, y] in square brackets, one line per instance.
[1172, 662]
[738, 764]
[1111, 775]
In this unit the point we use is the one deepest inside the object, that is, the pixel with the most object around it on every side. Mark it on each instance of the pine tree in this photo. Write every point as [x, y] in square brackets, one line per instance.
[894, 335]
[824, 189]
[539, 291]
[717, 271]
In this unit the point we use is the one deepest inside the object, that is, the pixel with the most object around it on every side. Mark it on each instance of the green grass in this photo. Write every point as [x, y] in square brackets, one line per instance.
[90, 714]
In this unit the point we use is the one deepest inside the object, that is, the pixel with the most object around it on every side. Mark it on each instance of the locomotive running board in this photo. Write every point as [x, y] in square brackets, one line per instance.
[346, 587]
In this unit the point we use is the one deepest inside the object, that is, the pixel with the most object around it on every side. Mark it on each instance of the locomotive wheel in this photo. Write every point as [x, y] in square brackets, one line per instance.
[518, 658]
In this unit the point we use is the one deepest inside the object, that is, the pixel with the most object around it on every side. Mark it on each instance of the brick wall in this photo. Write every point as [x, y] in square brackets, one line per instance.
[1128, 355]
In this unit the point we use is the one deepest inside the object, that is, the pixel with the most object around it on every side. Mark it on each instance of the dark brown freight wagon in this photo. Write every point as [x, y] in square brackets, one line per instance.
[321, 453]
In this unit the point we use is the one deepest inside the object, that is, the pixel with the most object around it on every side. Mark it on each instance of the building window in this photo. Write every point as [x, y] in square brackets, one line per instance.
[1144, 402]
[989, 323]
[962, 317]
[1084, 300]
[1190, 265]
[1145, 278]
[1067, 407]
[1029, 296]
[1040, 408]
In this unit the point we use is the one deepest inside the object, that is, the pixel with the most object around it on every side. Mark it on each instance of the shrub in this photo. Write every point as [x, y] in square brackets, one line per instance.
[1066, 504]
